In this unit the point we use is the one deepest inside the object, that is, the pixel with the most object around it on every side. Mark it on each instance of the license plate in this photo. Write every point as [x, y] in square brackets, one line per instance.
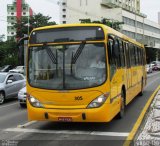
[65, 119]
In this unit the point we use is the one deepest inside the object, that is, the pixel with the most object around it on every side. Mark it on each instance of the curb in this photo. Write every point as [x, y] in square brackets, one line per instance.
[134, 130]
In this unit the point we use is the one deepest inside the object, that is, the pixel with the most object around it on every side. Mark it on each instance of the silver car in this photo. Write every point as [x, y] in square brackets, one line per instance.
[22, 97]
[10, 84]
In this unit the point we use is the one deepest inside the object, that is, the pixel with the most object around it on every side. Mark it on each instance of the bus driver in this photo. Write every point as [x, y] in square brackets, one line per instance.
[97, 63]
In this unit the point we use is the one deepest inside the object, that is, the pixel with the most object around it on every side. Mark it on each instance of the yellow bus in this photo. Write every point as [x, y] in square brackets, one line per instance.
[82, 73]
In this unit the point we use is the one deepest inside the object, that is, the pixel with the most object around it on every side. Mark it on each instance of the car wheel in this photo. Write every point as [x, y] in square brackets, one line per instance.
[2, 97]
[22, 105]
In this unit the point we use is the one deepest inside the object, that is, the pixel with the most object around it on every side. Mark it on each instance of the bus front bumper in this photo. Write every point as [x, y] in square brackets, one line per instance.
[101, 114]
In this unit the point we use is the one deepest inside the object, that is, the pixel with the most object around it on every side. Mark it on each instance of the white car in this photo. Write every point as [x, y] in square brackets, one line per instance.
[18, 69]
[149, 68]
[22, 97]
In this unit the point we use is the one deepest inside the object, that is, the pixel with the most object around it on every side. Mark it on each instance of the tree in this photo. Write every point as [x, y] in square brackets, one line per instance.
[8, 53]
[2, 37]
[85, 20]
[35, 21]
[111, 23]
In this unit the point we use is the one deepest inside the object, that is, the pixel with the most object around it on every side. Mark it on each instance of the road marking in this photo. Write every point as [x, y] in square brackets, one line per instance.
[26, 124]
[70, 132]
[150, 83]
[131, 135]
[8, 105]
[156, 73]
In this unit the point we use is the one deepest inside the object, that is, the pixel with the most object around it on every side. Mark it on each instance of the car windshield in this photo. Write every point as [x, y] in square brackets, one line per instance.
[3, 67]
[67, 66]
[2, 78]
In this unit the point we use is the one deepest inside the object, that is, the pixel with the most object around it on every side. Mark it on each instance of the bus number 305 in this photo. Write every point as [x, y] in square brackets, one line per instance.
[78, 98]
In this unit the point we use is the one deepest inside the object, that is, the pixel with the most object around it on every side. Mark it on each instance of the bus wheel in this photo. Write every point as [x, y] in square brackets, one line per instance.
[122, 104]
[141, 93]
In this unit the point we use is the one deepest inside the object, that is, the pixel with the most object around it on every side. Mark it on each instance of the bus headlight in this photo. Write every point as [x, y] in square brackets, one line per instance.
[99, 101]
[34, 102]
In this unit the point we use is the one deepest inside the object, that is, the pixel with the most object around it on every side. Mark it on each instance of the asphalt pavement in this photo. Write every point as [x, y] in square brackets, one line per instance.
[16, 130]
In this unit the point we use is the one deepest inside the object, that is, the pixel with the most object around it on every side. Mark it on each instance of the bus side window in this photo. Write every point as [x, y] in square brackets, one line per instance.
[119, 63]
[139, 56]
[134, 62]
[112, 59]
[128, 61]
[136, 56]
[121, 49]
[142, 55]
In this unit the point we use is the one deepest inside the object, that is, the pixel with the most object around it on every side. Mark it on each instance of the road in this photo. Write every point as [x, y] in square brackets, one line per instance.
[14, 125]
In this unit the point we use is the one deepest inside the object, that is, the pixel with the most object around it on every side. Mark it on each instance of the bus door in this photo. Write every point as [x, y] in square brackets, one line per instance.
[128, 70]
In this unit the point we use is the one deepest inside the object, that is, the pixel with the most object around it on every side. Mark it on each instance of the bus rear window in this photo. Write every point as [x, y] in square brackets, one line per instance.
[67, 34]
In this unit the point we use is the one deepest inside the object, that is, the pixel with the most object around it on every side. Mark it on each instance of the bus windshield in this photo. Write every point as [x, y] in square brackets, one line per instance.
[67, 67]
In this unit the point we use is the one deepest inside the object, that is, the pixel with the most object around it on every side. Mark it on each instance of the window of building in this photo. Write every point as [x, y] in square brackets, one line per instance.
[12, 13]
[12, 18]
[86, 2]
[64, 22]
[63, 3]
[12, 8]
[24, 13]
[80, 2]
[64, 16]
[12, 32]
[140, 25]
[24, 8]
[64, 10]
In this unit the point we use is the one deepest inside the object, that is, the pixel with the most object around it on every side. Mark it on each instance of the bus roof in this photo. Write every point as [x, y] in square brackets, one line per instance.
[107, 29]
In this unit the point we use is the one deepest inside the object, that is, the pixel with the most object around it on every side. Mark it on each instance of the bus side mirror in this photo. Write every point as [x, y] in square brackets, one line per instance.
[116, 50]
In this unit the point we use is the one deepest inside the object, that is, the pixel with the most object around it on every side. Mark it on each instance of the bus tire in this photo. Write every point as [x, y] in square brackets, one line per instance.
[122, 106]
[2, 97]
[141, 93]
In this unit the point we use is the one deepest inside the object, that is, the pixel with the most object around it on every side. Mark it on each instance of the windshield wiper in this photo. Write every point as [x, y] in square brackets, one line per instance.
[78, 53]
[50, 53]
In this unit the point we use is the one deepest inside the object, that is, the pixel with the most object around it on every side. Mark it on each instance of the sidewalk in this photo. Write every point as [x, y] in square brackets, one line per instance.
[149, 132]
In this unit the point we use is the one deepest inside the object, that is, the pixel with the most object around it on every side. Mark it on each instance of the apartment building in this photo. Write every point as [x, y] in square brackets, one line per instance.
[136, 25]
[16, 10]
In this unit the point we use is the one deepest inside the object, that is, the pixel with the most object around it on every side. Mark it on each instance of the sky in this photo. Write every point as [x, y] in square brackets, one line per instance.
[51, 8]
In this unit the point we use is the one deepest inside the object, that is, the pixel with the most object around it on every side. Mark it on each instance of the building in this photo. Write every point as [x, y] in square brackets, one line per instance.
[159, 18]
[16, 10]
[136, 25]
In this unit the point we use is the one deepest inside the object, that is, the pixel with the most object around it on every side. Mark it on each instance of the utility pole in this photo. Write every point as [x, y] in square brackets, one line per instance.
[28, 19]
